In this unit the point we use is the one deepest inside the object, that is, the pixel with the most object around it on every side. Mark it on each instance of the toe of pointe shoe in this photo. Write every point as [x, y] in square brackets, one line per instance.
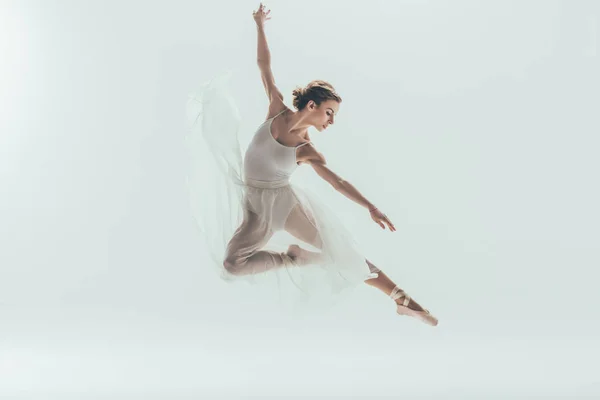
[424, 315]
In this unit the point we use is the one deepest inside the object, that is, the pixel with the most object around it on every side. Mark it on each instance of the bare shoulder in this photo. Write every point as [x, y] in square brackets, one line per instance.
[308, 154]
[275, 107]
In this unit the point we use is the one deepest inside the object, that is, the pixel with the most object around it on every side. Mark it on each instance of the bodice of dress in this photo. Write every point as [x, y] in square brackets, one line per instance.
[268, 160]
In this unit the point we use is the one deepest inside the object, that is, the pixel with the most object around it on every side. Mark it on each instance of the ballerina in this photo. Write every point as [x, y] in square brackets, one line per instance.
[270, 203]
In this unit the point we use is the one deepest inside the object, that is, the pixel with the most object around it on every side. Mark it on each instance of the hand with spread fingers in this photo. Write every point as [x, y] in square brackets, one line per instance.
[260, 15]
[380, 218]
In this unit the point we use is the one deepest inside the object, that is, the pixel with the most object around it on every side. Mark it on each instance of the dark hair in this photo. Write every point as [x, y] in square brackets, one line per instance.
[317, 91]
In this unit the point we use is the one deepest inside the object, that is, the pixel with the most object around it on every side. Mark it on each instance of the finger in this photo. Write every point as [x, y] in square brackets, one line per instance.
[387, 220]
[392, 227]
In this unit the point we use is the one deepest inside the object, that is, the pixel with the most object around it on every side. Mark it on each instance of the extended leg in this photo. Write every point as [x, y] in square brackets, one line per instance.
[405, 304]
[386, 285]
[301, 225]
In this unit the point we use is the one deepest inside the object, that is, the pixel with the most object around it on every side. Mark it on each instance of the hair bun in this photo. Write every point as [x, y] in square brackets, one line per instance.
[298, 91]
[317, 91]
[298, 94]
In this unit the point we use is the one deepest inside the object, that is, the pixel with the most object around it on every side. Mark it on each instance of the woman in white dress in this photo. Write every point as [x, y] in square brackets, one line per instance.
[256, 200]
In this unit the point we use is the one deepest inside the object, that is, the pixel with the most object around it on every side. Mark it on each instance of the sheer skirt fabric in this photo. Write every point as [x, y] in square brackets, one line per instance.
[247, 225]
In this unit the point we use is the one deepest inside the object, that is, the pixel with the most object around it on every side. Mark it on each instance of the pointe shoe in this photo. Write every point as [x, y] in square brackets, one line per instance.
[403, 308]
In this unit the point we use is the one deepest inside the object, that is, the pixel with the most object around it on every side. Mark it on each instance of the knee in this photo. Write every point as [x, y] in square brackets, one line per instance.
[232, 265]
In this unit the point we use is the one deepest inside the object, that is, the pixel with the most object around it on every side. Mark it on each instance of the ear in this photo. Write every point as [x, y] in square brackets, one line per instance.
[311, 104]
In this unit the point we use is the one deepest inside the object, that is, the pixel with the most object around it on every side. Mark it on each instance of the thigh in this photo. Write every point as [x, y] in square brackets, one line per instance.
[300, 223]
[249, 237]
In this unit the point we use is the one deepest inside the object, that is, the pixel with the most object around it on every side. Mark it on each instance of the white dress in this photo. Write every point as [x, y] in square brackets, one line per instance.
[240, 210]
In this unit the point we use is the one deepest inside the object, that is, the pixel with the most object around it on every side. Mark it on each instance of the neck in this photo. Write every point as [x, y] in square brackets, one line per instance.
[297, 122]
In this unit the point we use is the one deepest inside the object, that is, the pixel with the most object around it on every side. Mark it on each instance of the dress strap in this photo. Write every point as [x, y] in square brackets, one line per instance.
[302, 144]
[284, 110]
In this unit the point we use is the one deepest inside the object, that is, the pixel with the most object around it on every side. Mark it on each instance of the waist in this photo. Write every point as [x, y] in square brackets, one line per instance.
[267, 184]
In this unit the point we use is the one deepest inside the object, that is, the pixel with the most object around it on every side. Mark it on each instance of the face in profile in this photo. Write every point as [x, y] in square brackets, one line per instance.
[323, 115]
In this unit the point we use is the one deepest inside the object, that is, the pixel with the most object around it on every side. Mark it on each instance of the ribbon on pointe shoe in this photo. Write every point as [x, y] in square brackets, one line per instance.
[424, 315]
[398, 293]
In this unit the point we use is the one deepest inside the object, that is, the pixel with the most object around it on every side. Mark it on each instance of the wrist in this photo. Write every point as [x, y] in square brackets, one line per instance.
[372, 208]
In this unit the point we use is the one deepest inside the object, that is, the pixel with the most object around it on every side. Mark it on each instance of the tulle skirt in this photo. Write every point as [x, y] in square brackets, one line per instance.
[247, 225]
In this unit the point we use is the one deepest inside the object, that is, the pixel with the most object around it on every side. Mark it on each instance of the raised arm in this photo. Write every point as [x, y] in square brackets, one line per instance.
[309, 155]
[263, 57]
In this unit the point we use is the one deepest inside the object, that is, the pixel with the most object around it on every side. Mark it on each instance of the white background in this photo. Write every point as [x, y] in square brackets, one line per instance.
[472, 124]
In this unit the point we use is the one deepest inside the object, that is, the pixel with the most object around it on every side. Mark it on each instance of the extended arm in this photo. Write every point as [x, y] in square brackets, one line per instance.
[341, 185]
[263, 57]
[308, 154]
[263, 54]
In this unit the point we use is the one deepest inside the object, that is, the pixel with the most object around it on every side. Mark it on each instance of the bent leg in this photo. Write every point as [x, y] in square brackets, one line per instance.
[302, 226]
[243, 256]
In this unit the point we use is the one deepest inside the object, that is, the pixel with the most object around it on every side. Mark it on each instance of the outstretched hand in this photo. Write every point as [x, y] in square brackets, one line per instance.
[380, 218]
[260, 16]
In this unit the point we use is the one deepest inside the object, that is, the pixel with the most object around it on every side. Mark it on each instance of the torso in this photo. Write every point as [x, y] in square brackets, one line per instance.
[280, 133]
[267, 158]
